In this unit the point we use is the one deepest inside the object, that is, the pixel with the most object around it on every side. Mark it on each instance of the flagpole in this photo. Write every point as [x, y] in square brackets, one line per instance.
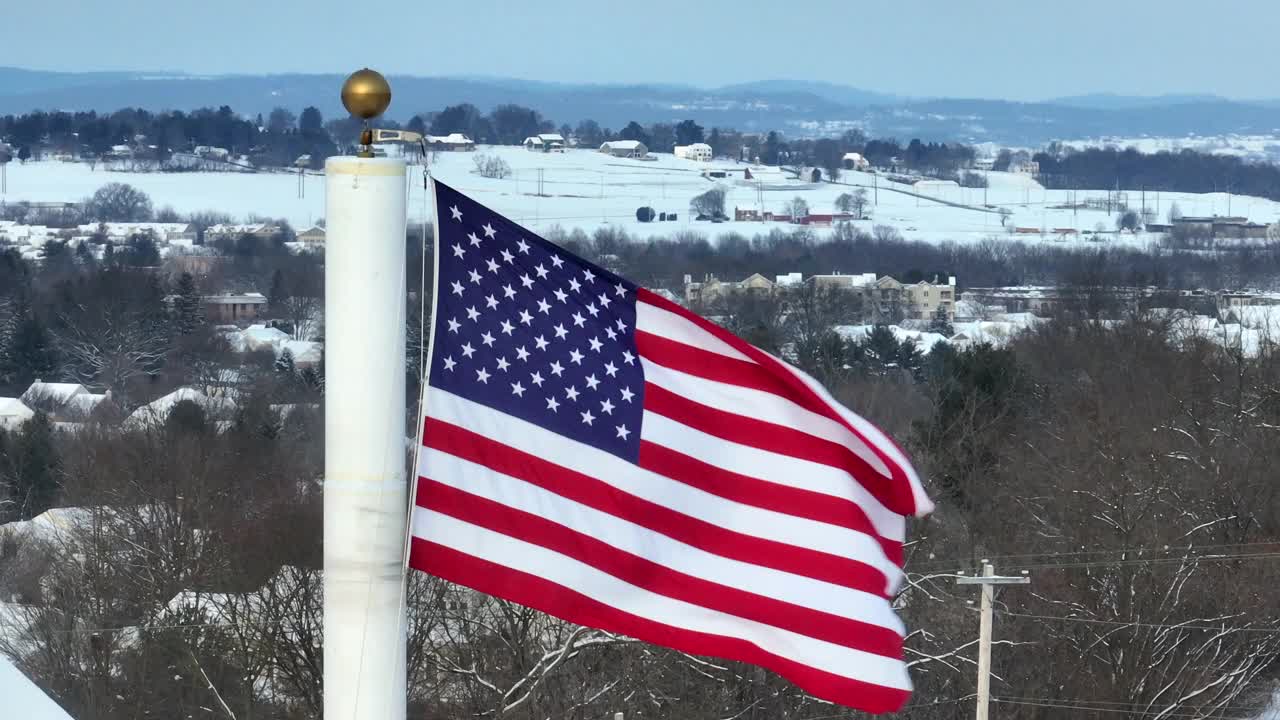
[365, 493]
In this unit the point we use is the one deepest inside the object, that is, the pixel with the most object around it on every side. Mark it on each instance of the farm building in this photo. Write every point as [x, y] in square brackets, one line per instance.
[453, 142]
[700, 152]
[545, 142]
[625, 148]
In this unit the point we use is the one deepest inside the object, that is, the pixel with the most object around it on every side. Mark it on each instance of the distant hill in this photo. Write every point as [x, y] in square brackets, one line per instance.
[793, 107]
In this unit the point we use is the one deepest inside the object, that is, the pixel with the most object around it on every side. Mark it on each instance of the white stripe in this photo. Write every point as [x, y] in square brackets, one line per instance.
[604, 588]
[658, 548]
[874, 435]
[688, 500]
[765, 465]
[656, 321]
[763, 405]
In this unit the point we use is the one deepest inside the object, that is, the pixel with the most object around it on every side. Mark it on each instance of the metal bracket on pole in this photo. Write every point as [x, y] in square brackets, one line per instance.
[988, 580]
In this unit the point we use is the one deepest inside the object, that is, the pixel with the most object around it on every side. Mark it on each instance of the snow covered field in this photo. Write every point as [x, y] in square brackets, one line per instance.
[588, 190]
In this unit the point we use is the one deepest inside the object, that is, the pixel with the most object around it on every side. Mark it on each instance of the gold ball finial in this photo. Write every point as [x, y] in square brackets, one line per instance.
[366, 94]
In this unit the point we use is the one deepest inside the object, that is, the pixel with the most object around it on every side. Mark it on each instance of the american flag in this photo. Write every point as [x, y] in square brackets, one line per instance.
[601, 454]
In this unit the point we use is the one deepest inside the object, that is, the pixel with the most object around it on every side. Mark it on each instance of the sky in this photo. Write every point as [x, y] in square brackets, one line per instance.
[1009, 49]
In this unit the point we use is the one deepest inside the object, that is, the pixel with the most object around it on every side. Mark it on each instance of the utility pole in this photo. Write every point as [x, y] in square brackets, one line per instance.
[988, 580]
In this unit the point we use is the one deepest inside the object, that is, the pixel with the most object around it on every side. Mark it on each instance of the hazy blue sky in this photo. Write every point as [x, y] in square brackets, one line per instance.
[1018, 49]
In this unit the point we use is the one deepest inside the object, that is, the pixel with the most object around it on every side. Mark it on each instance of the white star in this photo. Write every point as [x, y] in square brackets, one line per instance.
[522, 354]
[627, 394]
[507, 257]
[610, 369]
[472, 313]
[591, 308]
[574, 285]
[621, 325]
[526, 281]
[606, 407]
[525, 317]
[578, 319]
[482, 376]
[458, 251]
[493, 265]
[454, 325]
[560, 331]
[544, 307]
[587, 417]
[590, 276]
[571, 393]
[604, 300]
[488, 230]
[475, 239]
[622, 291]
[561, 295]
[626, 355]
[475, 276]
[552, 404]
[524, 246]
[623, 432]
[503, 364]
[517, 389]
[541, 342]
[467, 350]
[575, 356]
[555, 260]
[557, 369]
[487, 339]
[613, 335]
[592, 382]
[541, 270]
[449, 363]
[508, 292]
[457, 288]
[537, 379]
[457, 214]
[491, 301]
[595, 344]
[507, 327]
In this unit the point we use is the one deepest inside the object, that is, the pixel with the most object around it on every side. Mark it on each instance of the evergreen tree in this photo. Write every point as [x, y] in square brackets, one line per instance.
[31, 354]
[285, 363]
[32, 468]
[279, 292]
[941, 324]
[186, 306]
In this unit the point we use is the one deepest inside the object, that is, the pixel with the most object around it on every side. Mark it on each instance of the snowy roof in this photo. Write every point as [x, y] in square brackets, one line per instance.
[303, 350]
[85, 402]
[551, 137]
[50, 524]
[157, 411]
[60, 393]
[241, 299]
[260, 337]
[14, 408]
[924, 340]
[22, 699]
[622, 145]
[451, 139]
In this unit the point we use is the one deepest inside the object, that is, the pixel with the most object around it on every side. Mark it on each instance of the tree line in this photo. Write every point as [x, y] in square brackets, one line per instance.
[1182, 171]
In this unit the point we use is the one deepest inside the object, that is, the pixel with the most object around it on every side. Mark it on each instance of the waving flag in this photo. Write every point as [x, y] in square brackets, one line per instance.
[601, 454]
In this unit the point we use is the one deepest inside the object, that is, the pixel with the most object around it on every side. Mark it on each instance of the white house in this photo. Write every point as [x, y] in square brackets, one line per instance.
[855, 161]
[545, 142]
[453, 142]
[625, 148]
[13, 412]
[699, 152]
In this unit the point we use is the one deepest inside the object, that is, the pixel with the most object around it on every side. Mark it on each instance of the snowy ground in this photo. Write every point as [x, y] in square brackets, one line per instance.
[585, 189]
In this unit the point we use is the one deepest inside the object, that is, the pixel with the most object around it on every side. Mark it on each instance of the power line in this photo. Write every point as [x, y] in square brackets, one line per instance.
[1122, 623]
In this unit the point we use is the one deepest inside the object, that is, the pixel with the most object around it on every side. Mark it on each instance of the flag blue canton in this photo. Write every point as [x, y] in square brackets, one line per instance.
[524, 327]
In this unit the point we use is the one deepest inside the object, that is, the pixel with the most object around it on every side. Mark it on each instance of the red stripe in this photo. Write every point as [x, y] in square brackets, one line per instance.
[763, 494]
[899, 498]
[566, 604]
[693, 531]
[714, 366]
[766, 436]
[656, 578]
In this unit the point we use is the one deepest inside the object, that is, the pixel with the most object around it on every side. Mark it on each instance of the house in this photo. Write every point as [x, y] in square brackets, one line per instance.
[545, 142]
[157, 411]
[698, 152]
[262, 231]
[233, 309]
[453, 142]
[625, 148]
[306, 354]
[52, 397]
[924, 300]
[120, 232]
[13, 412]
[855, 161]
[712, 288]
[1026, 167]
[313, 235]
[841, 281]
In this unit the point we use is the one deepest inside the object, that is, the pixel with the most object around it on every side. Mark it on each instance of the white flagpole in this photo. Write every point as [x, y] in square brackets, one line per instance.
[365, 493]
